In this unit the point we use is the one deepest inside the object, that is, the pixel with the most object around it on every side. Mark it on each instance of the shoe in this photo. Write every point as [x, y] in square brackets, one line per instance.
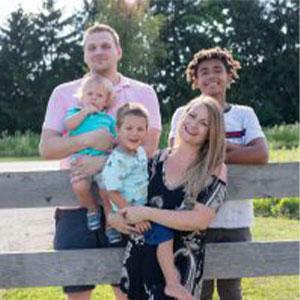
[93, 220]
[113, 236]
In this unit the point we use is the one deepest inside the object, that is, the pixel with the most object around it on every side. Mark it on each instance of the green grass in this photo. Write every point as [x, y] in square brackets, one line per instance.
[275, 229]
[283, 142]
[283, 135]
[16, 158]
[266, 288]
[52, 293]
[19, 144]
[283, 154]
[272, 287]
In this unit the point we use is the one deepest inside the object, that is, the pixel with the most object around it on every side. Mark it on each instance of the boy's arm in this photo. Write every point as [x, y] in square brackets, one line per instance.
[255, 152]
[117, 199]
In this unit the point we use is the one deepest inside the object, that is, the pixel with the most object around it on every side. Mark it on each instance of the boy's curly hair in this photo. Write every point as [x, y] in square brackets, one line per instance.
[223, 55]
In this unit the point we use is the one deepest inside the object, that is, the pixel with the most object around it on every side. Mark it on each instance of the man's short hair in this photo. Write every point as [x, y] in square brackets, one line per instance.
[102, 28]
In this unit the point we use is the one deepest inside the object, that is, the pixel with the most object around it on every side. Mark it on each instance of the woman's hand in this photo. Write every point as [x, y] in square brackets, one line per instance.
[118, 222]
[86, 166]
[135, 214]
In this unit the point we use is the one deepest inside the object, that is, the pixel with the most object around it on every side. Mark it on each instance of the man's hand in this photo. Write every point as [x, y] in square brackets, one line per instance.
[255, 152]
[86, 166]
[99, 139]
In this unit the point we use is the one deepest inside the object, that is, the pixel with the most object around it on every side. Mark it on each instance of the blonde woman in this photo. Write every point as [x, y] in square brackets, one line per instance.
[187, 186]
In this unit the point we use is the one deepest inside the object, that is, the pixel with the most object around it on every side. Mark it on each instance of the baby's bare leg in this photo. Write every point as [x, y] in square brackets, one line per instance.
[173, 287]
[83, 192]
[106, 203]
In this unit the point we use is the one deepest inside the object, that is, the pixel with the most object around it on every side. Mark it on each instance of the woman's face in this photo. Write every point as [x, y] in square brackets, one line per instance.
[212, 78]
[195, 125]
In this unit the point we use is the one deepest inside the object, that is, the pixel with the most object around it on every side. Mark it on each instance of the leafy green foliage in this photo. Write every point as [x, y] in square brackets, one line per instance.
[285, 207]
[262, 35]
[139, 31]
[38, 52]
[283, 135]
[159, 38]
[19, 144]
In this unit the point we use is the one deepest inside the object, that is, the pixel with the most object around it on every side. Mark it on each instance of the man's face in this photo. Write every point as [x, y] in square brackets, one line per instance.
[101, 54]
[212, 77]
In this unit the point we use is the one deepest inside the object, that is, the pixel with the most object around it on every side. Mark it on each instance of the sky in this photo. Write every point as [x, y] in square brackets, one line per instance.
[33, 6]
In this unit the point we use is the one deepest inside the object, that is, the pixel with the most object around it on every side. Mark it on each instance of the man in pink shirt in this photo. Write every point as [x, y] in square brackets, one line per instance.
[102, 52]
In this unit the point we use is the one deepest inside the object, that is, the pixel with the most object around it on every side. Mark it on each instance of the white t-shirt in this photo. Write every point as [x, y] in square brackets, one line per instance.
[175, 119]
[242, 126]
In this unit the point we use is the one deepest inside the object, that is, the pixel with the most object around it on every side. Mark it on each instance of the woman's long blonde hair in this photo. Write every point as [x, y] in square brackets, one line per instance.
[211, 153]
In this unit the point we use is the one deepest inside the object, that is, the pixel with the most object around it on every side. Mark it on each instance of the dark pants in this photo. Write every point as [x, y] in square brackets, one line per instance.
[71, 232]
[228, 289]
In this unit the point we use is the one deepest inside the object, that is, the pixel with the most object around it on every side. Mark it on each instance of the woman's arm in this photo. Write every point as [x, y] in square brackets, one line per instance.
[118, 221]
[197, 219]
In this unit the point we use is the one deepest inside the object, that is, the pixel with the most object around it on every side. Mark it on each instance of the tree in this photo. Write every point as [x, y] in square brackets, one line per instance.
[181, 35]
[16, 61]
[139, 35]
[37, 53]
[262, 35]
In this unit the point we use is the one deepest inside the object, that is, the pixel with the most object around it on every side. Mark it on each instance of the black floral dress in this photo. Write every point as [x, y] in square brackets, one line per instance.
[141, 277]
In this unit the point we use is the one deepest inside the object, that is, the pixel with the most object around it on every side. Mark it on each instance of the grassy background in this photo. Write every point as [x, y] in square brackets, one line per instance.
[283, 141]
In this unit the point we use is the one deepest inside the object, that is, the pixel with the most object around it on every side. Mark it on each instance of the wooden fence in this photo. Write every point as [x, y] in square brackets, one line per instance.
[73, 267]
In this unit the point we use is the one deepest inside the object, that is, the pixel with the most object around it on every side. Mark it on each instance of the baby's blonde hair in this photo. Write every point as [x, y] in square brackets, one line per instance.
[106, 84]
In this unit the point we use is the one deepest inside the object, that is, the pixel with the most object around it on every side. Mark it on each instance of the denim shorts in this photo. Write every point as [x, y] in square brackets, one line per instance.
[158, 234]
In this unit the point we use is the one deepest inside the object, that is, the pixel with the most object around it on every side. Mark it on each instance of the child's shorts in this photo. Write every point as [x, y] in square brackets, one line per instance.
[158, 234]
[98, 178]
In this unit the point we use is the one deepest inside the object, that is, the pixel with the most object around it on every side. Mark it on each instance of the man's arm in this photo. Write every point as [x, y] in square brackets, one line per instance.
[152, 141]
[255, 152]
[55, 146]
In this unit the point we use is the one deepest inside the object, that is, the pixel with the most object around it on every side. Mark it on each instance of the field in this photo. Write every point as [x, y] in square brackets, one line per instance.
[284, 146]
[267, 288]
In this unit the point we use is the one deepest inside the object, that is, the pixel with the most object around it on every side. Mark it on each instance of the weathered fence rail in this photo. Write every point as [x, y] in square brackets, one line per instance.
[56, 268]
